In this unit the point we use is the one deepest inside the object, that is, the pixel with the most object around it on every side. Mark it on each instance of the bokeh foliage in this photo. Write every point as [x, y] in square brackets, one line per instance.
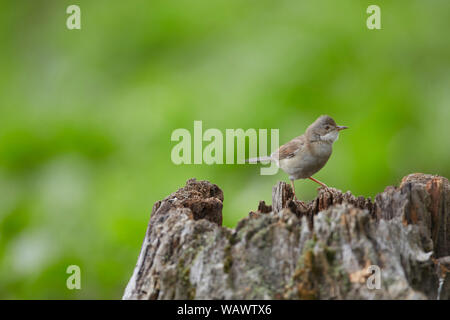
[86, 116]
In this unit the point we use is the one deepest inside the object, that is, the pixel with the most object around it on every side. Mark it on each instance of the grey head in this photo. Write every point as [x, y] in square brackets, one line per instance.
[324, 129]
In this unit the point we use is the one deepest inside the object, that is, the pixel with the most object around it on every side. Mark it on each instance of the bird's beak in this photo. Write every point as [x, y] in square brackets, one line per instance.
[341, 128]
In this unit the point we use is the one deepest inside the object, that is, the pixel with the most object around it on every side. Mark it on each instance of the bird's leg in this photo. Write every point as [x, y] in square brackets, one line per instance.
[293, 189]
[317, 181]
[295, 196]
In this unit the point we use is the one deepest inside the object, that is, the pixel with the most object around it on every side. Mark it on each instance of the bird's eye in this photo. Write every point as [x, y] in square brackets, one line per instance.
[327, 127]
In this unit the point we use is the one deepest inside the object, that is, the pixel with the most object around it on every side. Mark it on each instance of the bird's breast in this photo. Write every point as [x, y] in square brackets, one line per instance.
[307, 162]
[321, 149]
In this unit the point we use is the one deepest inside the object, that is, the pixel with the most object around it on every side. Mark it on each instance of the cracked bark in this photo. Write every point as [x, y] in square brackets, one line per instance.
[286, 251]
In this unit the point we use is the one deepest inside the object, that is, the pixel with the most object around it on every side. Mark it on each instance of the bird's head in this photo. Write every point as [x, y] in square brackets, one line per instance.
[324, 129]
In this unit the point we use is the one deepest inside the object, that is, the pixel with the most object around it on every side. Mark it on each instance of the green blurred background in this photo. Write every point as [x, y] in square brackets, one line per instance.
[86, 115]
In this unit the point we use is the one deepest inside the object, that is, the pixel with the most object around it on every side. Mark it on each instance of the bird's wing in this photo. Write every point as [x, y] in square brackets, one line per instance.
[290, 149]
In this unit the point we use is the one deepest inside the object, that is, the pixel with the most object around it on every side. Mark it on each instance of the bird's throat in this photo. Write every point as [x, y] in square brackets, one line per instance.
[330, 137]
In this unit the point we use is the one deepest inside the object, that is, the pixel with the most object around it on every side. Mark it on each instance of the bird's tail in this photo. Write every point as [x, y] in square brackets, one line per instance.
[259, 160]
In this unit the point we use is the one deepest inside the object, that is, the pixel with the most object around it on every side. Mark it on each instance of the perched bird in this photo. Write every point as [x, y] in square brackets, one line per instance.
[305, 155]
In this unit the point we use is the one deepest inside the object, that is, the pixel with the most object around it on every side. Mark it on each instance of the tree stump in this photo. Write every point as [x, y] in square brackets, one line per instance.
[287, 251]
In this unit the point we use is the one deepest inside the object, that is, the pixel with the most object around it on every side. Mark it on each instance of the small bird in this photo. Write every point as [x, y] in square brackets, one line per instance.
[305, 155]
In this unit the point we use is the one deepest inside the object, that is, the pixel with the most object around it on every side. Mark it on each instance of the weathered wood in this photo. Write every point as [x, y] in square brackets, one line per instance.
[288, 251]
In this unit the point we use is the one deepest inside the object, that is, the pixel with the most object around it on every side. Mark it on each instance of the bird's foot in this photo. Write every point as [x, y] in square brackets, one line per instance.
[303, 204]
[323, 186]
[295, 196]
[300, 202]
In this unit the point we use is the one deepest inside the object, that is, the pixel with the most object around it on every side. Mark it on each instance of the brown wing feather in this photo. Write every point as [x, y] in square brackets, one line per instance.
[291, 148]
